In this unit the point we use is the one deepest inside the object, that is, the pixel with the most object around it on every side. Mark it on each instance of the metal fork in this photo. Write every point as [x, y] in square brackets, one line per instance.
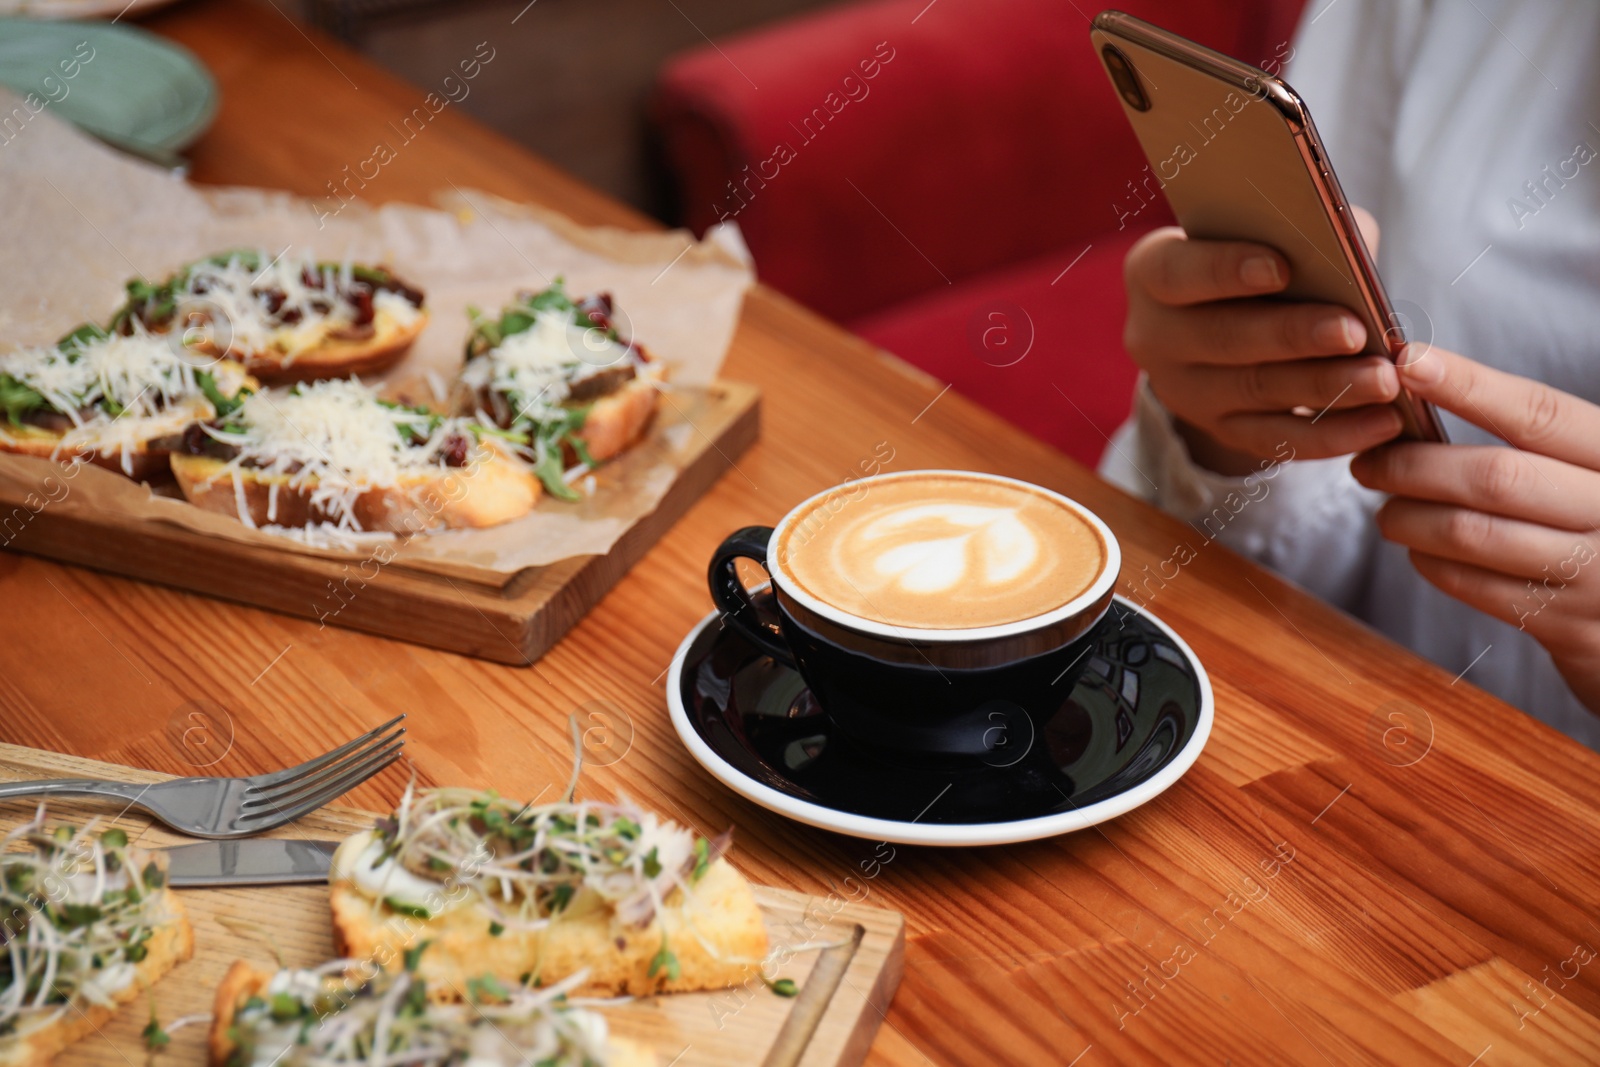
[239, 807]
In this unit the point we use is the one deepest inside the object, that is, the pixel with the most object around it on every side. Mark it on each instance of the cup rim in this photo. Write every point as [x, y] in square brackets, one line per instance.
[1098, 590]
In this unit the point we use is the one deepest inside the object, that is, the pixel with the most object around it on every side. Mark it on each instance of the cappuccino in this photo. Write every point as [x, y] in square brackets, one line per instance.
[941, 551]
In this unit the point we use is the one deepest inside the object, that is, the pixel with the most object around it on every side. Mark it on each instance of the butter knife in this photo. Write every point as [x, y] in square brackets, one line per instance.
[252, 861]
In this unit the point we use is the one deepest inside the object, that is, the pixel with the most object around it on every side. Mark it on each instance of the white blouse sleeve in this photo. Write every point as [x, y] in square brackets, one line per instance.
[1308, 520]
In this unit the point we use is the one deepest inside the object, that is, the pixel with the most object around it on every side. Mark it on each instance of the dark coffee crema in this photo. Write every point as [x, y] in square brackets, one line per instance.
[941, 552]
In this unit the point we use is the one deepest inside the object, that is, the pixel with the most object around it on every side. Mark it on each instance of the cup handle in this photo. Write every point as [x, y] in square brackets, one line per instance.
[733, 599]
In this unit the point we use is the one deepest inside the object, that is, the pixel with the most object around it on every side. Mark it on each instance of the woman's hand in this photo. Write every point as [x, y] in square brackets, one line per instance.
[1510, 531]
[1232, 367]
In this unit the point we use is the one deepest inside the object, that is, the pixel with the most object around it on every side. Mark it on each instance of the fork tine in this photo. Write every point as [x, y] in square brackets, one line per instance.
[293, 793]
[266, 781]
[274, 794]
[259, 821]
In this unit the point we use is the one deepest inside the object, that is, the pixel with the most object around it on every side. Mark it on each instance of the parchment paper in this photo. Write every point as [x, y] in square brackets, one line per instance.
[81, 219]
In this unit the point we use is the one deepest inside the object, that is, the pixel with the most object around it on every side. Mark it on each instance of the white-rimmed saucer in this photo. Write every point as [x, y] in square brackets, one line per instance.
[1136, 721]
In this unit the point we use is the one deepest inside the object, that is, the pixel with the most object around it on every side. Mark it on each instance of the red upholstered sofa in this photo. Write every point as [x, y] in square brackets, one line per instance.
[954, 180]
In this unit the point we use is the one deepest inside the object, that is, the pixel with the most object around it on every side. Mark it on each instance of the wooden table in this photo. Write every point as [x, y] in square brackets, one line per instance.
[1368, 863]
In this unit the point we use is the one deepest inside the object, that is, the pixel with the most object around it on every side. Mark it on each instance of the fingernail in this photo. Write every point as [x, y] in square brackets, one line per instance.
[1420, 366]
[1336, 333]
[1387, 380]
[1259, 272]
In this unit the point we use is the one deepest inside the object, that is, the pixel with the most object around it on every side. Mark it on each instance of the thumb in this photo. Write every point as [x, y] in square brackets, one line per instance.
[1368, 225]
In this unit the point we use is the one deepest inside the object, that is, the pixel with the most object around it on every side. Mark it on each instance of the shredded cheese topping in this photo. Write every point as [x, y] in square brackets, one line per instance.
[291, 304]
[337, 440]
[140, 374]
[120, 391]
[237, 302]
[535, 369]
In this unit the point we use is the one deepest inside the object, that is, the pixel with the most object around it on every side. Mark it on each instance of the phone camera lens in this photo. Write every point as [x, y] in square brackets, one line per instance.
[1124, 78]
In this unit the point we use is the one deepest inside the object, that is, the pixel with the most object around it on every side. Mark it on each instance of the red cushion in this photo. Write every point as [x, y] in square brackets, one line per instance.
[1071, 386]
[987, 134]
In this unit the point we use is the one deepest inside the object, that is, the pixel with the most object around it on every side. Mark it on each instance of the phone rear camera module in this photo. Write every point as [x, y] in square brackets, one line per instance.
[1124, 78]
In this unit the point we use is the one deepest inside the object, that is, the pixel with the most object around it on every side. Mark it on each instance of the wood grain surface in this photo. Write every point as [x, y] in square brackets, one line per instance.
[846, 958]
[514, 623]
[1370, 863]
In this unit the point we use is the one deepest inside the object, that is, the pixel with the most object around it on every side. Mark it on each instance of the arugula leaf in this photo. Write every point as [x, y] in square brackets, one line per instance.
[580, 448]
[75, 340]
[17, 399]
[376, 277]
[224, 405]
[516, 318]
[547, 439]
[514, 322]
[549, 468]
[552, 298]
[248, 258]
[153, 304]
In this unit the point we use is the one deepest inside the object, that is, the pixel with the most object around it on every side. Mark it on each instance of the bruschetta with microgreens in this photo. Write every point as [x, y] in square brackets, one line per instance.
[348, 1012]
[537, 894]
[89, 924]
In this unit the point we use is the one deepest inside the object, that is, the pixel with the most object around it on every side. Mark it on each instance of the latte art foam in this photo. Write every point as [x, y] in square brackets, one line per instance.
[942, 551]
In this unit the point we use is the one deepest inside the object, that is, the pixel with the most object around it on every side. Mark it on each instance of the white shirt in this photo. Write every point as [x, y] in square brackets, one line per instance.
[1436, 113]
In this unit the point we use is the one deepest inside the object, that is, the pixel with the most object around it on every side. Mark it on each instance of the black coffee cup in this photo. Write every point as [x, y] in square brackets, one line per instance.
[960, 696]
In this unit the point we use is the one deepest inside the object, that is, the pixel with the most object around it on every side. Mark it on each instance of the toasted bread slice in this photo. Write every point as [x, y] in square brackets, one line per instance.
[170, 943]
[138, 460]
[244, 981]
[717, 936]
[618, 419]
[490, 491]
[335, 357]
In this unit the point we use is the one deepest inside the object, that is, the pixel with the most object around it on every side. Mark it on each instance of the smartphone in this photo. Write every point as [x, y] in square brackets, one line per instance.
[1238, 157]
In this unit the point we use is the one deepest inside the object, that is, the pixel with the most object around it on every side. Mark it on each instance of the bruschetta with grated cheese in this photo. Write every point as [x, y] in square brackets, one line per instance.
[335, 453]
[560, 373]
[286, 318]
[120, 402]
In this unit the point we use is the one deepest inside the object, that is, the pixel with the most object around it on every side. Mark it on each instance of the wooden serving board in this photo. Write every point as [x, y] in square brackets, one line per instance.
[515, 623]
[846, 958]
